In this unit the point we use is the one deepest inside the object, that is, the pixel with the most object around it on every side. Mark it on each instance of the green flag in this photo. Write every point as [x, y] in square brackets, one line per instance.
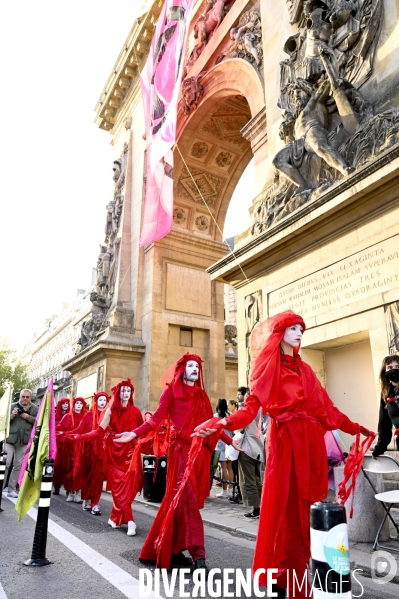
[5, 405]
[29, 491]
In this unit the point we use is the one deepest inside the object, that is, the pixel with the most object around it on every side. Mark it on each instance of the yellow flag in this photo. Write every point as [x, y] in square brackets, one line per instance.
[29, 492]
[5, 405]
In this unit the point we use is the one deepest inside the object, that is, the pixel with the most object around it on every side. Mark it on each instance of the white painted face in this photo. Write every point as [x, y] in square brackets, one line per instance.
[78, 407]
[64, 406]
[101, 402]
[293, 335]
[191, 372]
[125, 393]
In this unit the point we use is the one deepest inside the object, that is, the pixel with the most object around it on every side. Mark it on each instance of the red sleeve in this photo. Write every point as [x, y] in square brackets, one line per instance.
[65, 423]
[158, 416]
[226, 438]
[244, 415]
[335, 419]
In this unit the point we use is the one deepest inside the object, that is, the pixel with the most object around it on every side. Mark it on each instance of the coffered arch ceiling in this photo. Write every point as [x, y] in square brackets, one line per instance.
[216, 155]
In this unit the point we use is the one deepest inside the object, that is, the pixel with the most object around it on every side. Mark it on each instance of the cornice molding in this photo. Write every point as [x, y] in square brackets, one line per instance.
[124, 78]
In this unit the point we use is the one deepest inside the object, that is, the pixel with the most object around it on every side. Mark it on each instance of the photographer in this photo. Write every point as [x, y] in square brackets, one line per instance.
[22, 418]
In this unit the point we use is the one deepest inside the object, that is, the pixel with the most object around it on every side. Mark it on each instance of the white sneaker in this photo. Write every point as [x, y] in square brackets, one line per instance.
[71, 496]
[78, 497]
[222, 494]
[5, 490]
[230, 492]
[112, 524]
[12, 494]
[86, 505]
[95, 510]
[131, 529]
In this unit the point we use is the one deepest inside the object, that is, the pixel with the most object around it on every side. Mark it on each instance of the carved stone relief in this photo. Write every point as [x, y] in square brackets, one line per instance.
[392, 322]
[199, 149]
[253, 315]
[202, 223]
[230, 336]
[246, 39]
[328, 125]
[108, 258]
[179, 216]
[192, 93]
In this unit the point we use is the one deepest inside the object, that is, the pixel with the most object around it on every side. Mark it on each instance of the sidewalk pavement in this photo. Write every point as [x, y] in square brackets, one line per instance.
[225, 515]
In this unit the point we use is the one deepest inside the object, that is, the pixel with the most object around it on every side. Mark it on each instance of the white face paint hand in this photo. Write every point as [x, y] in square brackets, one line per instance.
[101, 402]
[191, 372]
[293, 335]
[125, 393]
[78, 407]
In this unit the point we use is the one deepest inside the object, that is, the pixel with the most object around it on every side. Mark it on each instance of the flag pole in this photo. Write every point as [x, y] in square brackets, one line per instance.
[38, 557]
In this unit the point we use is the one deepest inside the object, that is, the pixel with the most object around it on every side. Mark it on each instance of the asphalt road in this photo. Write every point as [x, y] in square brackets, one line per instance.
[91, 560]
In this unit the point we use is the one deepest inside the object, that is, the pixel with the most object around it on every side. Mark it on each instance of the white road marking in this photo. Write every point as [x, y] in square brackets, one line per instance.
[2, 593]
[121, 580]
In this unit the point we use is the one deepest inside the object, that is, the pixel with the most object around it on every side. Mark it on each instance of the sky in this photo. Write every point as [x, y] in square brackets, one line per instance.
[56, 175]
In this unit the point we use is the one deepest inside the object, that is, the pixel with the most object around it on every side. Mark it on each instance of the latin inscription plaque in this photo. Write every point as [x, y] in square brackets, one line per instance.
[362, 275]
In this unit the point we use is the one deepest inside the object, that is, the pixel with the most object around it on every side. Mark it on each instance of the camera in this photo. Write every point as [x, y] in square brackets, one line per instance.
[19, 408]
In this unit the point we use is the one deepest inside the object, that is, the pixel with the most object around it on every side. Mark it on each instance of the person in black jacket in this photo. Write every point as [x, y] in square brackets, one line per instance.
[389, 406]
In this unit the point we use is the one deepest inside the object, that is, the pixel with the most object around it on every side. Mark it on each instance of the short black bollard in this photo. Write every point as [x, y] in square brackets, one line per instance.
[3, 458]
[38, 557]
[330, 551]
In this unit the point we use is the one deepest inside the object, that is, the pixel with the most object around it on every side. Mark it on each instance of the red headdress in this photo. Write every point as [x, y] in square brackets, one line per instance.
[116, 403]
[73, 413]
[58, 412]
[265, 354]
[97, 415]
[173, 375]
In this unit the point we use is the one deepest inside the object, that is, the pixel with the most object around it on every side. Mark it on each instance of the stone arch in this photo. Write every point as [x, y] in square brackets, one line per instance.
[213, 147]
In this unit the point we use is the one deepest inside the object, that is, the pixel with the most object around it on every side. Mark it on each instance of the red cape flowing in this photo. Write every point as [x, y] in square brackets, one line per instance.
[300, 416]
[178, 524]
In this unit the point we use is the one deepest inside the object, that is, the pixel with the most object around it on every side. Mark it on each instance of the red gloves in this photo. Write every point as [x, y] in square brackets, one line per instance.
[98, 432]
[211, 423]
[396, 432]
[368, 433]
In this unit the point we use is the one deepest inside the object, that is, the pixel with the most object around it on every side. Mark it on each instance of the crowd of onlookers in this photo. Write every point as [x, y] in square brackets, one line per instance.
[241, 470]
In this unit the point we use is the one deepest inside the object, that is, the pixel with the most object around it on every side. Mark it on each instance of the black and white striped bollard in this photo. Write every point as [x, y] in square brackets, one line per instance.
[3, 458]
[38, 557]
[330, 551]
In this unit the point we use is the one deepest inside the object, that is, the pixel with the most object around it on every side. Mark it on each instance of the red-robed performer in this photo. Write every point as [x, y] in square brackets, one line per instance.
[121, 416]
[63, 468]
[63, 406]
[88, 457]
[178, 524]
[296, 476]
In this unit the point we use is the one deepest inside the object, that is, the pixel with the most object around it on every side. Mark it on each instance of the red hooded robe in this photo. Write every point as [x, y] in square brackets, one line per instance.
[88, 463]
[118, 454]
[178, 524]
[296, 466]
[63, 468]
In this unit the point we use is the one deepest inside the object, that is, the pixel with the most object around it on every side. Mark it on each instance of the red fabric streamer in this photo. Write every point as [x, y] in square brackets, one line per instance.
[353, 466]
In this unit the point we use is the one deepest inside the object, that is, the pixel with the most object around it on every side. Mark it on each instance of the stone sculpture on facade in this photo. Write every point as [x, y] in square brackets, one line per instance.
[108, 259]
[214, 14]
[328, 127]
[230, 336]
[392, 322]
[246, 39]
[253, 315]
[192, 93]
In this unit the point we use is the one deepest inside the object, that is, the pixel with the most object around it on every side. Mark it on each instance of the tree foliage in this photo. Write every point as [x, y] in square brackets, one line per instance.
[11, 368]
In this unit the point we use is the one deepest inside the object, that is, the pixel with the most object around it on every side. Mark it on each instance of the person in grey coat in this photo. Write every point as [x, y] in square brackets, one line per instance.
[22, 418]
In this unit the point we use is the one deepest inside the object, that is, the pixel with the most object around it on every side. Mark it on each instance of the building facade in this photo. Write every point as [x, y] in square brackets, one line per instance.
[314, 102]
[52, 345]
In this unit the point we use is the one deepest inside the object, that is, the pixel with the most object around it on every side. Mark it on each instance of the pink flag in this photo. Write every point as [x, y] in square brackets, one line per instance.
[160, 85]
[52, 447]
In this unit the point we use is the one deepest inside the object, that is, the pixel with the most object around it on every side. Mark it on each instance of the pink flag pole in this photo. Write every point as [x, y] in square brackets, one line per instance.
[160, 86]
